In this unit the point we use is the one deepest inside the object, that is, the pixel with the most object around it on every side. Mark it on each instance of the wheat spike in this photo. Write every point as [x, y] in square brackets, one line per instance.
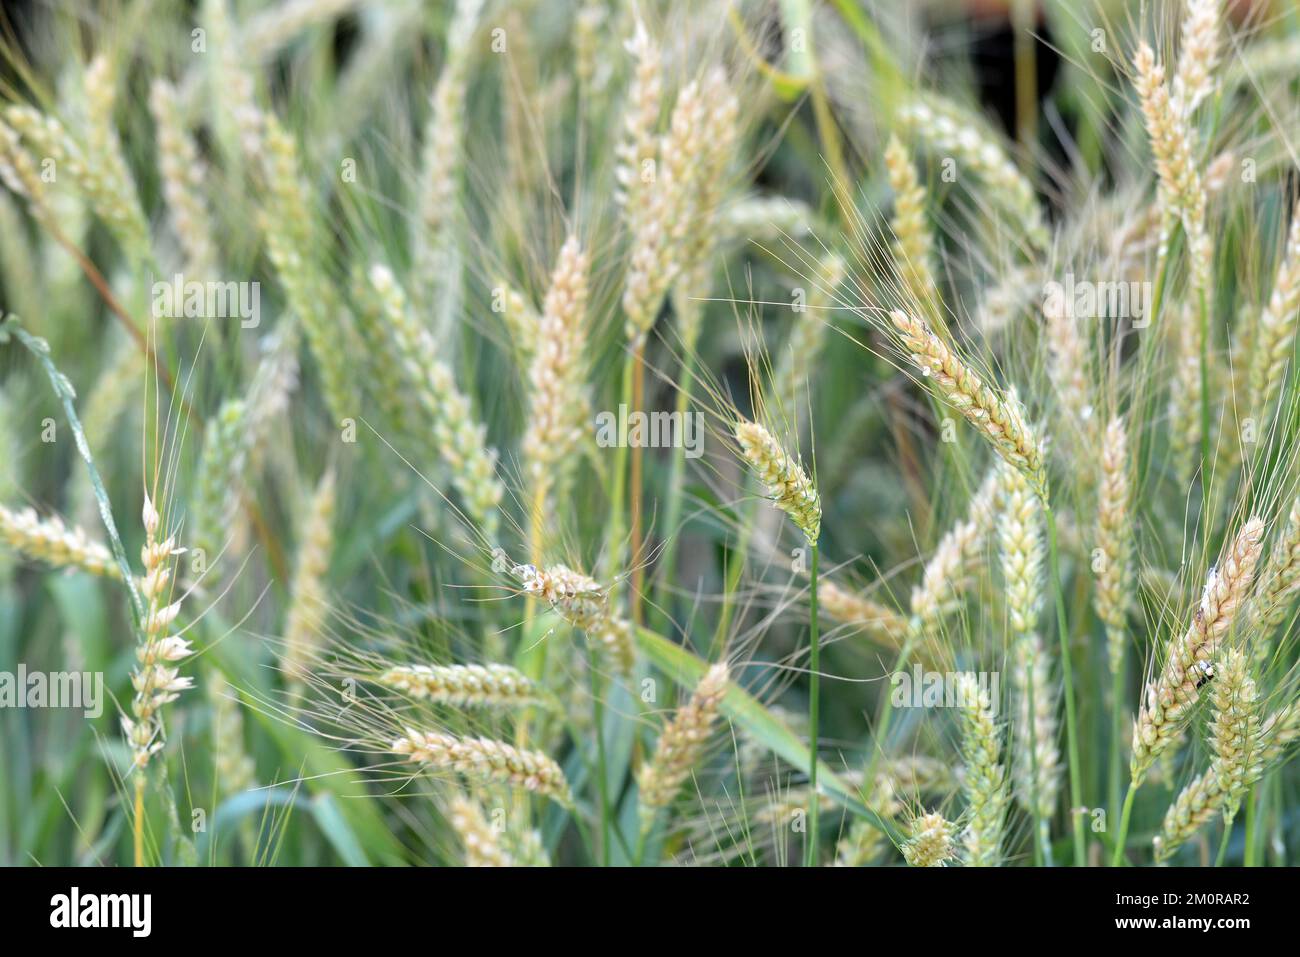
[485, 760]
[985, 782]
[51, 541]
[930, 843]
[913, 243]
[483, 847]
[584, 604]
[999, 419]
[1274, 333]
[461, 686]
[308, 607]
[1199, 53]
[681, 744]
[1113, 594]
[788, 485]
[1169, 699]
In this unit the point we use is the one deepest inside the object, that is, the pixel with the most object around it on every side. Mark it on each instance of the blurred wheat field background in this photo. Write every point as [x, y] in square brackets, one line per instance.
[515, 433]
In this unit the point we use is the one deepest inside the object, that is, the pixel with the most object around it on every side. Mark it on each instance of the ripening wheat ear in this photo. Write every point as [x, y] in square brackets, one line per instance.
[681, 744]
[998, 418]
[485, 760]
[1278, 584]
[558, 404]
[985, 782]
[584, 604]
[466, 686]
[221, 470]
[1235, 743]
[53, 542]
[182, 180]
[156, 679]
[955, 559]
[482, 841]
[930, 843]
[640, 118]
[788, 485]
[1274, 332]
[308, 609]
[1181, 193]
[1113, 594]
[951, 132]
[1198, 54]
[1036, 760]
[461, 440]
[1170, 698]
[913, 243]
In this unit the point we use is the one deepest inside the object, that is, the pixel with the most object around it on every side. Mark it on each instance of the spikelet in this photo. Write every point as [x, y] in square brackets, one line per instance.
[584, 604]
[156, 679]
[1036, 761]
[1273, 336]
[1198, 55]
[460, 439]
[1113, 595]
[1234, 741]
[913, 243]
[1181, 194]
[788, 485]
[51, 541]
[681, 744]
[182, 180]
[1169, 699]
[984, 782]
[999, 419]
[485, 760]
[482, 841]
[930, 844]
[309, 603]
[465, 686]
[558, 404]
[952, 132]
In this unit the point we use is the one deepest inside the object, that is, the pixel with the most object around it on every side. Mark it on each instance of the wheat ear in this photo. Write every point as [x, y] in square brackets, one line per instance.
[985, 782]
[1280, 579]
[308, 606]
[583, 603]
[182, 180]
[483, 847]
[681, 744]
[955, 559]
[913, 242]
[51, 541]
[1113, 595]
[483, 759]
[1169, 699]
[930, 843]
[788, 485]
[1198, 54]
[461, 686]
[1274, 333]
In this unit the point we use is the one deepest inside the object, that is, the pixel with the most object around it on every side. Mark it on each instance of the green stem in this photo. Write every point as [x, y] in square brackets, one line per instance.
[673, 511]
[1223, 842]
[1251, 858]
[1116, 737]
[1122, 837]
[598, 719]
[1067, 678]
[814, 689]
